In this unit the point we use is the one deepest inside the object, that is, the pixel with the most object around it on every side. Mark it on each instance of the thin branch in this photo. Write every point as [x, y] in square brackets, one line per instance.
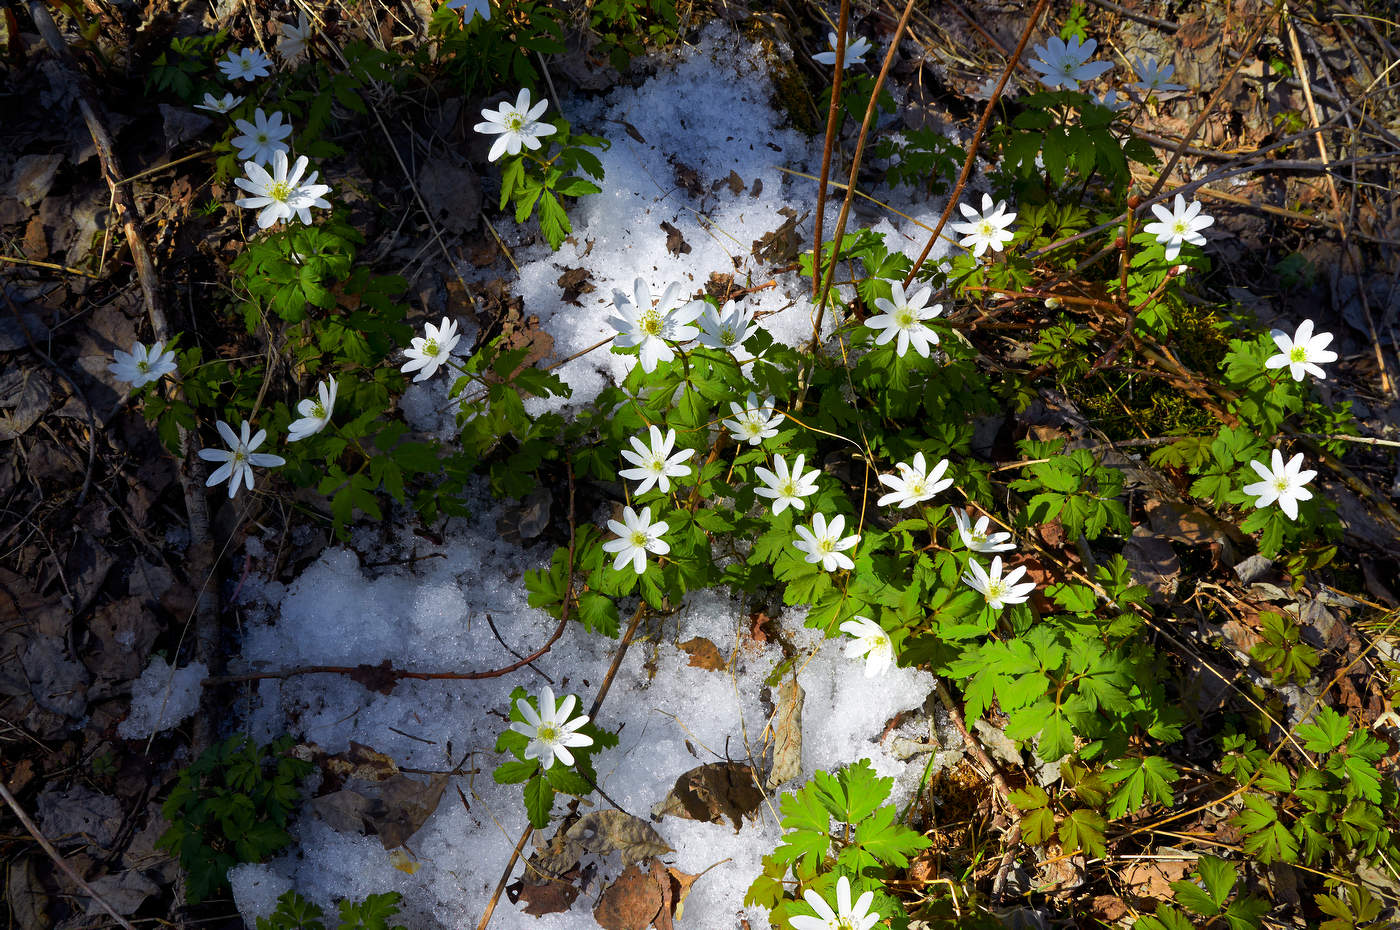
[972, 146]
[58, 859]
[828, 143]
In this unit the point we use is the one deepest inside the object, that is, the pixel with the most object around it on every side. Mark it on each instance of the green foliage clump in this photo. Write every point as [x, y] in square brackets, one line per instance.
[837, 824]
[231, 805]
[296, 913]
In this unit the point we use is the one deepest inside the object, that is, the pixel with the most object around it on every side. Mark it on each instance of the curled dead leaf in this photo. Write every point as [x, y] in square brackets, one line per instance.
[713, 792]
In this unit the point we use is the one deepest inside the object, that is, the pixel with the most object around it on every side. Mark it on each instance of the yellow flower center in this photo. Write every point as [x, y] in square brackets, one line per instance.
[996, 590]
[1298, 354]
[143, 366]
[547, 734]
[318, 411]
[985, 228]
[904, 318]
[790, 488]
[431, 347]
[728, 336]
[515, 121]
[1281, 484]
[638, 539]
[827, 544]
[239, 457]
[280, 191]
[650, 322]
[916, 487]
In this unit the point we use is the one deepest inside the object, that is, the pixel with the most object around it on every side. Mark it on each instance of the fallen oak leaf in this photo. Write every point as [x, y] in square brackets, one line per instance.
[629, 903]
[703, 654]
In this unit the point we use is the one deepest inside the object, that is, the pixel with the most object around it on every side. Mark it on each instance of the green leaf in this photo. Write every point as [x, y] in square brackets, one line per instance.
[1083, 829]
[1327, 732]
[566, 781]
[1150, 776]
[554, 222]
[515, 771]
[890, 842]
[539, 799]
[598, 614]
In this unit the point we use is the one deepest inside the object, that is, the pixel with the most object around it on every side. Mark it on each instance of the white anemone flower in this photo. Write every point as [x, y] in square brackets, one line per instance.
[844, 917]
[636, 536]
[985, 230]
[550, 731]
[245, 65]
[315, 412]
[654, 328]
[517, 125]
[872, 642]
[1152, 76]
[432, 349]
[1284, 484]
[1180, 224]
[218, 104]
[471, 8]
[903, 317]
[262, 138]
[998, 591]
[725, 328]
[292, 44]
[787, 488]
[281, 195]
[915, 483]
[824, 544]
[239, 458]
[1304, 352]
[1065, 65]
[754, 422]
[655, 465]
[141, 365]
[976, 538]
[856, 47]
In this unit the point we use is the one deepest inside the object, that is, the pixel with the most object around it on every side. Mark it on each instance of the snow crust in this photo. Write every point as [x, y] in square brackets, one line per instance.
[161, 699]
[710, 111]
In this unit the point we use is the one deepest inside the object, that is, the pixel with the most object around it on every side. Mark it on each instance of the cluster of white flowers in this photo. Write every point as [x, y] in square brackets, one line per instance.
[286, 191]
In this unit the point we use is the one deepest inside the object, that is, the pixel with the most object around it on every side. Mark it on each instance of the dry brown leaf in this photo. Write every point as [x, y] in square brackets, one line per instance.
[713, 792]
[394, 809]
[608, 831]
[1150, 879]
[675, 242]
[551, 896]
[26, 898]
[1152, 562]
[630, 903]
[703, 654]
[575, 281]
[782, 244]
[787, 734]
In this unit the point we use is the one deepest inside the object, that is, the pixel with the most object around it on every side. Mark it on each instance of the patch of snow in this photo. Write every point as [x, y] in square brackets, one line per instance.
[162, 698]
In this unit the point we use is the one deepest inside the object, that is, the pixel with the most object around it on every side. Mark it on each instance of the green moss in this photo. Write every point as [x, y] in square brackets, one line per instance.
[1200, 338]
[1130, 406]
